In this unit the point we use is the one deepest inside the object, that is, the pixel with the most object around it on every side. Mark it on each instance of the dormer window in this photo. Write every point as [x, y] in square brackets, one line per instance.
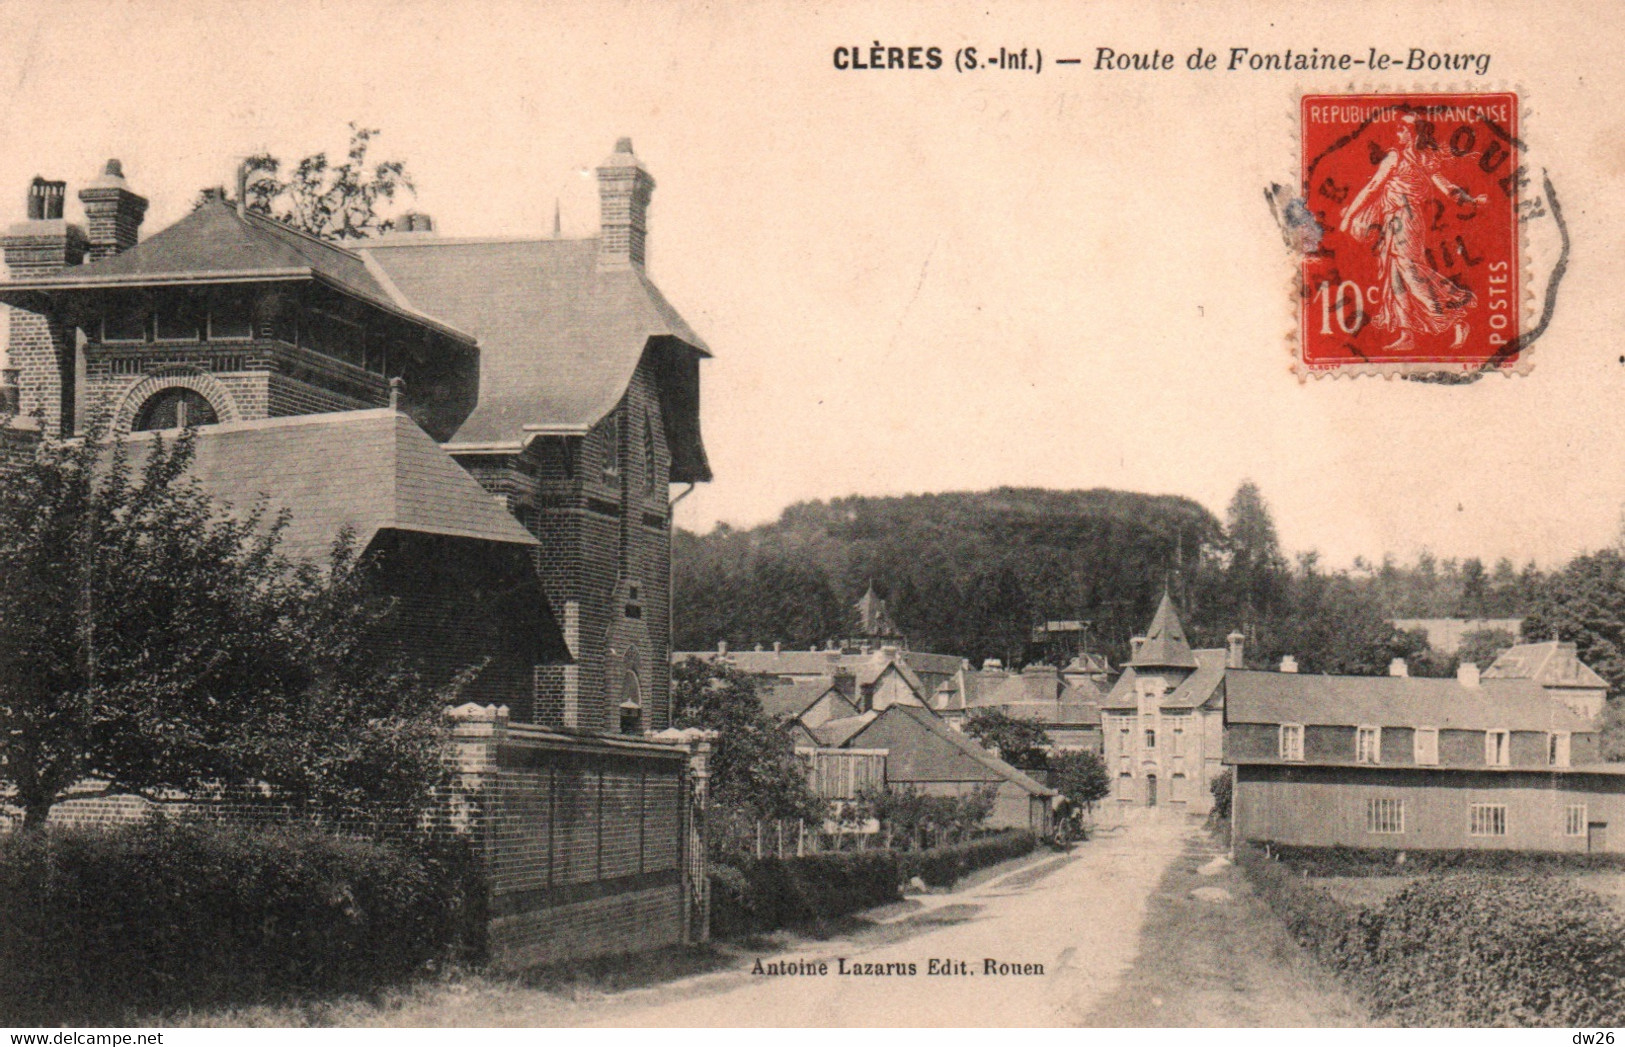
[1426, 742]
[1368, 745]
[1557, 749]
[1497, 748]
[1291, 741]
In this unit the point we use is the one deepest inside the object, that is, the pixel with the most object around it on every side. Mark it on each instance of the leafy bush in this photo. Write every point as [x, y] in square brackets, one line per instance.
[1464, 949]
[943, 866]
[1223, 787]
[770, 893]
[98, 924]
[1477, 949]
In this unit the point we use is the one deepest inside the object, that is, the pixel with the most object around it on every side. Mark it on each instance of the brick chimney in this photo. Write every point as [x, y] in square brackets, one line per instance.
[624, 188]
[1467, 674]
[1399, 667]
[1236, 658]
[42, 347]
[1289, 664]
[112, 213]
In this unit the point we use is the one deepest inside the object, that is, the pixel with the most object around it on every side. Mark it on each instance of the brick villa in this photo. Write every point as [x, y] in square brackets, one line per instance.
[500, 418]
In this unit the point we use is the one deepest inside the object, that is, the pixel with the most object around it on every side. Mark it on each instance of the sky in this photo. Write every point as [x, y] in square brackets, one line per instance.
[918, 281]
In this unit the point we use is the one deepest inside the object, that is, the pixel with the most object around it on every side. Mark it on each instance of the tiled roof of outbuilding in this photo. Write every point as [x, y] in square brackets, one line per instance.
[946, 761]
[365, 470]
[1552, 664]
[1253, 696]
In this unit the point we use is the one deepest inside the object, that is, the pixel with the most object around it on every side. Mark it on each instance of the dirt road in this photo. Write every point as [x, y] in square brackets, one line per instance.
[1061, 933]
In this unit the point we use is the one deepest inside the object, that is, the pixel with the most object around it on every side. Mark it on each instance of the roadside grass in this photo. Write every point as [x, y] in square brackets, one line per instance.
[1221, 962]
[584, 991]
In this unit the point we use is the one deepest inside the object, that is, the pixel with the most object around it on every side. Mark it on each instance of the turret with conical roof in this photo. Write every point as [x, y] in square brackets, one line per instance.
[1165, 646]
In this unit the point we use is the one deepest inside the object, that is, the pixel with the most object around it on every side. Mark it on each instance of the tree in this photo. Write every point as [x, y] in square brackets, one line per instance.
[154, 645]
[332, 201]
[1483, 646]
[1081, 777]
[1256, 573]
[754, 770]
[1020, 743]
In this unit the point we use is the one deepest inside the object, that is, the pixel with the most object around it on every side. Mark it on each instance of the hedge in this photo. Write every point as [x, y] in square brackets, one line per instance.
[1466, 949]
[943, 866]
[1363, 861]
[769, 893]
[101, 924]
[756, 896]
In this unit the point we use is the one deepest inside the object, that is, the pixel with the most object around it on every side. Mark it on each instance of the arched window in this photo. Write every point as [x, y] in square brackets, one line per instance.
[174, 408]
[631, 704]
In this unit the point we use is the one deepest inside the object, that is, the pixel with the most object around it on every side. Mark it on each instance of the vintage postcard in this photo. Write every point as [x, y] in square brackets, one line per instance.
[631, 514]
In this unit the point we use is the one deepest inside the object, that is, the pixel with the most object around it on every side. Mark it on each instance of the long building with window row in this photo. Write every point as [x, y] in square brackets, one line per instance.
[1504, 761]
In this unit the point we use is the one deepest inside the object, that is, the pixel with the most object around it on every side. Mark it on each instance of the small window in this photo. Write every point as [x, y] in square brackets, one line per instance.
[1150, 739]
[612, 444]
[1427, 745]
[231, 320]
[1125, 786]
[1487, 819]
[1368, 745]
[1496, 748]
[179, 320]
[1291, 741]
[125, 319]
[1557, 749]
[651, 461]
[1385, 816]
[1574, 820]
[1177, 788]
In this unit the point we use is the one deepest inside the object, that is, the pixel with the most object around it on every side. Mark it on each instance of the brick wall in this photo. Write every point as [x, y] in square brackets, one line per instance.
[588, 844]
[603, 532]
[42, 347]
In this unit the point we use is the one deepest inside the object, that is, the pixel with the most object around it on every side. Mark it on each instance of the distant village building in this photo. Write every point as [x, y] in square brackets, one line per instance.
[1503, 760]
[1446, 634]
[861, 716]
[1162, 723]
[1066, 703]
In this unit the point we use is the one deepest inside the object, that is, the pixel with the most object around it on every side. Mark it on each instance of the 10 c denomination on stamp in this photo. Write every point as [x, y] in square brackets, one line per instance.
[1411, 255]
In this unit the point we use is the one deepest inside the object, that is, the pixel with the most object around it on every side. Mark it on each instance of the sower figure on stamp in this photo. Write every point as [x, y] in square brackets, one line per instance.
[1414, 297]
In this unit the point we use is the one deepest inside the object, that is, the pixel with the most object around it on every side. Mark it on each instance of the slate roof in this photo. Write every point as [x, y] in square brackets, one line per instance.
[1165, 644]
[1191, 693]
[944, 762]
[1258, 697]
[1551, 664]
[791, 698]
[559, 338]
[1042, 697]
[216, 244]
[836, 733]
[366, 470]
[866, 667]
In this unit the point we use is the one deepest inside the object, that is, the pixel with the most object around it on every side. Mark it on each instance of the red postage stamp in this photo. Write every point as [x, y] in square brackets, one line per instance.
[1410, 253]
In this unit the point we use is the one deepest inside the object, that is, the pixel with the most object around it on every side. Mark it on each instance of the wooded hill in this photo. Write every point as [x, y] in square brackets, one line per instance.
[966, 573]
